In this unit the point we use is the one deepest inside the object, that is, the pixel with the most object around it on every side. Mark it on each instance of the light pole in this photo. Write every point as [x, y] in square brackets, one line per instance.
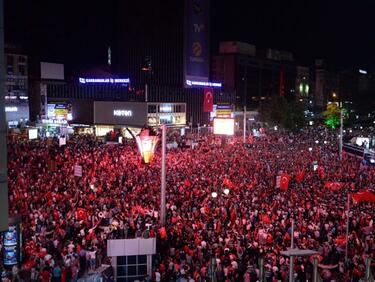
[244, 124]
[341, 131]
[163, 175]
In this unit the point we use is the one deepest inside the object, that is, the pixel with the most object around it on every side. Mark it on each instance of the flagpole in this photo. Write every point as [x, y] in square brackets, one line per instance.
[244, 124]
[347, 229]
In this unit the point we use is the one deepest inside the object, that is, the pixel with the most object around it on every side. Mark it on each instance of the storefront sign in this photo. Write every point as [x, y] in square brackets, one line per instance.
[120, 113]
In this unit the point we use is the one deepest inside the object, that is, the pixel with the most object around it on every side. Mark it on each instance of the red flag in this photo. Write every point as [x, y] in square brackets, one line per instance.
[284, 182]
[321, 172]
[364, 196]
[333, 186]
[208, 102]
[282, 83]
[229, 183]
[265, 219]
[300, 176]
[340, 240]
[163, 233]
[81, 214]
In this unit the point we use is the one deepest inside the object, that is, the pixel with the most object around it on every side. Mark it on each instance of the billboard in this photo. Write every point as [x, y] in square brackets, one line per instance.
[120, 113]
[51, 71]
[224, 126]
[59, 111]
[196, 41]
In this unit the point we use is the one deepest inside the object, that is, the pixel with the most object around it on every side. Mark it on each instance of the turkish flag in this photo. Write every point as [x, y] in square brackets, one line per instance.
[81, 214]
[284, 182]
[364, 196]
[208, 102]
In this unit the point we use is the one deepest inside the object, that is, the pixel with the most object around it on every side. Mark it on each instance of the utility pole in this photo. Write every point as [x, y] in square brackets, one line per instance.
[341, 133]
[3, 132]
[163, 175]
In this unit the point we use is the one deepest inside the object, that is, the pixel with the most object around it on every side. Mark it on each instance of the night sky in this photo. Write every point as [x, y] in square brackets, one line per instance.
[77, 33]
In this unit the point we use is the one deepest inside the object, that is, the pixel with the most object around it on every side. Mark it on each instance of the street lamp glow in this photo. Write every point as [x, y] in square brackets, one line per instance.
[226, 191]
[325, 142]
[310, 149]
[214, 194]
[146, 145]
[317, 141]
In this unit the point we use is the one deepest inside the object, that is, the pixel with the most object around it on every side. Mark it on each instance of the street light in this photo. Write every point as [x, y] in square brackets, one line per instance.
[226, 191]
[146, 145]
[214, 194]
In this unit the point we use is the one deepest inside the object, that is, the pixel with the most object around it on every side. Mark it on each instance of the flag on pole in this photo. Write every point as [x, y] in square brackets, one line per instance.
[208, 102]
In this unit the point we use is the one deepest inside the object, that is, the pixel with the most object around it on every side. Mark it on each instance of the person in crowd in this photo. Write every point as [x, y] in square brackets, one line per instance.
[67, 219]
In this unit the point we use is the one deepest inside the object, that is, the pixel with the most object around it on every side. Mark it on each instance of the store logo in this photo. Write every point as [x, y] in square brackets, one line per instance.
[122, 113]
[197, 49]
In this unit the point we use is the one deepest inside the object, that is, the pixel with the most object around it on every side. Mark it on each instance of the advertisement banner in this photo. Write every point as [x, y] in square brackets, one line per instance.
[196, 40]
[120, 113]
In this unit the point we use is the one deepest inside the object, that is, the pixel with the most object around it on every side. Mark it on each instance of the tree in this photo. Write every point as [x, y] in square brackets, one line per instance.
[332, 116]
[279, 111]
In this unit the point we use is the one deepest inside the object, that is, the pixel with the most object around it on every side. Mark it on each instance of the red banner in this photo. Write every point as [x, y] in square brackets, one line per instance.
[208, 103]
[282, 87]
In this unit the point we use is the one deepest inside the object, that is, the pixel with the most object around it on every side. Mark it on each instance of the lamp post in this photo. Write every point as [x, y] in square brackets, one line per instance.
[163, 174]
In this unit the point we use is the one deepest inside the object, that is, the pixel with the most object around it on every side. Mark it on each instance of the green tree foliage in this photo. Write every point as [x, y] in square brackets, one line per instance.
[279, 111]
[332, 116]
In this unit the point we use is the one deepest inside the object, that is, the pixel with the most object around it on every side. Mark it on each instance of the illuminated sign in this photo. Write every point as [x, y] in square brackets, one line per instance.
[104, 80]
[11, 109]
[165, 109]
[224, 126]
[122, 113]
[203, 83]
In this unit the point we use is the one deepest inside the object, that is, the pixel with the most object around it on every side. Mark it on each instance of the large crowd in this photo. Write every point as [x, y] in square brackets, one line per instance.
[66, 219]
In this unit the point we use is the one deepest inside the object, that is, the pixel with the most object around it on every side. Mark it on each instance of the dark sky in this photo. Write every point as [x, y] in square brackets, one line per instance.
[78, 32]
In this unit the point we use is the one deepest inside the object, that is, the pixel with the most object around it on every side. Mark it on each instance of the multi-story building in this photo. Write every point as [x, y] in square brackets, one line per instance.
[172, 55]
[16, 87]
[254, 75]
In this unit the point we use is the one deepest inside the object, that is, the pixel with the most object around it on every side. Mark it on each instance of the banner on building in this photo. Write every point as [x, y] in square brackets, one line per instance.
[208, 103]
[196, 41]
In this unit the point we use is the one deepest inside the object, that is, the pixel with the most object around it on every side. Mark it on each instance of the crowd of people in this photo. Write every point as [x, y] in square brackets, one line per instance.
[67, 219]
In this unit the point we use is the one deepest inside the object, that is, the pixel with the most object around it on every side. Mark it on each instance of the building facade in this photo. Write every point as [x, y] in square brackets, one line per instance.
[255, 76]
[171, 55]
[16, 88]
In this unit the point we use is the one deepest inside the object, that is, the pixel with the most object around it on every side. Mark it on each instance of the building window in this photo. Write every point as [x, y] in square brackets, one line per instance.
[22, 69]
[131, 268]
[151, 109]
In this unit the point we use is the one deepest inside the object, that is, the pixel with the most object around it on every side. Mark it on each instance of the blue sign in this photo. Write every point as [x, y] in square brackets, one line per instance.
[104, 80]
[196, 41]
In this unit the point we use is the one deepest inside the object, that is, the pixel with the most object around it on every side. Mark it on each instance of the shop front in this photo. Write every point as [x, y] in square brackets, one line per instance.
[127, 118]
